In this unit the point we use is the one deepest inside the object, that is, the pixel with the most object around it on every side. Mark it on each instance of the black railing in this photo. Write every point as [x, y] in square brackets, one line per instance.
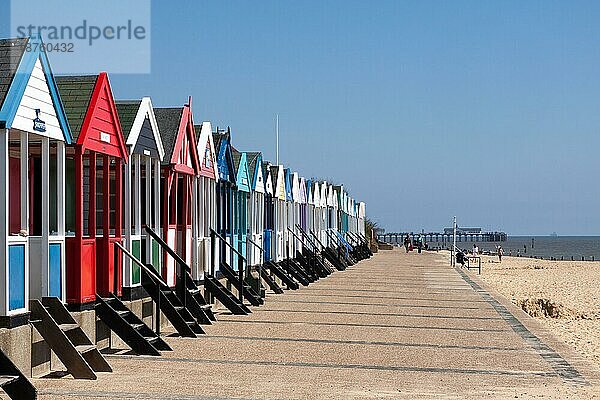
[153, 276]
[241, 260]
[259, 267]
[182, 267]
[308, 239]
[314, 235]
[336, 240]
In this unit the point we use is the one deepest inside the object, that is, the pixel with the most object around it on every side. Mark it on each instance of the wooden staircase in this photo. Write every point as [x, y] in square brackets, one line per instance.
[264, 274]
[131, 329]
[220, 292]
[65, 337]
[13, 382]
[287, 279]
[167, 301]
[247, 291]
[289, 267]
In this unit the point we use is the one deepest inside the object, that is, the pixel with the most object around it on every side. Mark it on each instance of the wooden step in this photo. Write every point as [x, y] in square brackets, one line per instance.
[7, 379]
[132, 330]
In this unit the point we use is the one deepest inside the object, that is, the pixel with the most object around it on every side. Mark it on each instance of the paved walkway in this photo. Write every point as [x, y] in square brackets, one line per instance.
[394, 326]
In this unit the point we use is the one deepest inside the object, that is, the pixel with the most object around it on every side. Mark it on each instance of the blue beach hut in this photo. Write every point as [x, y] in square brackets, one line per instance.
[33, 134]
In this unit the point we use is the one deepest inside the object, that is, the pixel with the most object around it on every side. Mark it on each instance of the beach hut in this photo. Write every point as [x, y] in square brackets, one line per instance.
[310, 206]
[142, 189]
[325, 211]
[94, 189]
[288, 251]
[270, 213]
[257, 206]
[33, 132]
[296, 201]
[361, 217]
[302, 208]
[279, 210]
[180, 166]
[317, 215]
[225, 186]
[205, 215]
[241, 200]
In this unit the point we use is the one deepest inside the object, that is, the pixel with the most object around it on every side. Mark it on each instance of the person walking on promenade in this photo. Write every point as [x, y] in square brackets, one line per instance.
[475, 250]
[406, 243]
[500, 253]
[420, 243]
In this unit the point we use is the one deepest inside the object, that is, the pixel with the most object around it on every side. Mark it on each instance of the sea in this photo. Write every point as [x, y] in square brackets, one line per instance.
[547, 247]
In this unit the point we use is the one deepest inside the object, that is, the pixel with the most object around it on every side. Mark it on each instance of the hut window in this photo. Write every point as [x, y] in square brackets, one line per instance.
[144, 199]
[179, 205]
[112, 200]
[70, 192]
[14, 182]
[35, 187]
[99, 195]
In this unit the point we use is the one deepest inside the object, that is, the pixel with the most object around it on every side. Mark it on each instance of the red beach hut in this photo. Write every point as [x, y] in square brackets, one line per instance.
[180, 166]
[94, 187]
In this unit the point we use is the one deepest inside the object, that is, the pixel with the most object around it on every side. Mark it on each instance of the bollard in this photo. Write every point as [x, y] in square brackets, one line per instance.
[582, 258]
[571, 258]
[562, 258]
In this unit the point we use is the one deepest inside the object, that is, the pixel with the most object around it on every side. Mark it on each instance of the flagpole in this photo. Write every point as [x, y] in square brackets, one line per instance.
[277, 134]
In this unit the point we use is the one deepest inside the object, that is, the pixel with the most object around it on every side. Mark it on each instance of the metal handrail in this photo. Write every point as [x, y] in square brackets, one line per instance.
[228, 245]
[168, 249]
[254, 243]
[262, 255]
[181, 284]
[317, 239]
[153, 276]
[305, 235]
[241, 261]
[295, 235]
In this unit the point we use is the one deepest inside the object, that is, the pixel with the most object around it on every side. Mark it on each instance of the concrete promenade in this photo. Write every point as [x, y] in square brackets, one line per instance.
[394, 326]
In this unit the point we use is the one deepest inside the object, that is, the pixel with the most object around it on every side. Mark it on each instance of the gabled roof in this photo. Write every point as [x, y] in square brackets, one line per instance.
[253, 157]
[269, 185]
[316, 194]
[278, 177]
[168, 123]
[18, 71]
[206, 147]
[257, 173]
[309, 192]
[90, 107]
[303, 199]
[288, 184]
[222, 142]
[128, 110]
[133, 114]
[242, 173]
[11, 52]
[295, 187]
[177, 131]
[76, 94]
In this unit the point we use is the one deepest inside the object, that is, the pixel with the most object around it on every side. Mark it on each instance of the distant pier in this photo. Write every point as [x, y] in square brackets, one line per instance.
[444, 237]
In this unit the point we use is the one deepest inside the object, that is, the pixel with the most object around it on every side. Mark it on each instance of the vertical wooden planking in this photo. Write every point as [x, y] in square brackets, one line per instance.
[4, 204]
[45, 216]
[24, 148]
[151, 203]
[92, 196]
[127, 265]
[60, 201]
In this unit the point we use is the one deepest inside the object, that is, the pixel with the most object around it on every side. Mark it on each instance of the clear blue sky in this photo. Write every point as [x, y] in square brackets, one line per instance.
[485, 110]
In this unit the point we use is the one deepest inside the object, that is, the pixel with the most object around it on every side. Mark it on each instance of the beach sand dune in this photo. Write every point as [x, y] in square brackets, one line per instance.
[563, 295]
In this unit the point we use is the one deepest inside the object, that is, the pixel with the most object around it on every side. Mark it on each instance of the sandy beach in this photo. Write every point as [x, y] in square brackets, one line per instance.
[563, 295]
